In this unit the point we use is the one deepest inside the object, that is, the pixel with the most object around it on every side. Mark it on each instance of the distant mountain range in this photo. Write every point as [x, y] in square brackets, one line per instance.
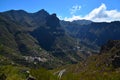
[93, 34]
[41, 38]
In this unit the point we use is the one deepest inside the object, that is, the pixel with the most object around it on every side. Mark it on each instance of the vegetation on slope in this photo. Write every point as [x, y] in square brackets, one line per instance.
[104, 66]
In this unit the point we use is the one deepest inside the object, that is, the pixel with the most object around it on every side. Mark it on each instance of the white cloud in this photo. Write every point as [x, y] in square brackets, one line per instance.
[74, 9]
[100, 14]
[73, 18]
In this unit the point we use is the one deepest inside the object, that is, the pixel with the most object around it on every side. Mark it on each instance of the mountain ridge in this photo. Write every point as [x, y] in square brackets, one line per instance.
[43, 35]
[20, 30]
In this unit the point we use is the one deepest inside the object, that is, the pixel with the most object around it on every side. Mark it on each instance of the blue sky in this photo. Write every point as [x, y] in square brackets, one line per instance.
[96, 10]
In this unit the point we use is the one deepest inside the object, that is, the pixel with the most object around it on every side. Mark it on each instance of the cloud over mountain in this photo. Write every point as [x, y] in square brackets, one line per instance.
[99, 14]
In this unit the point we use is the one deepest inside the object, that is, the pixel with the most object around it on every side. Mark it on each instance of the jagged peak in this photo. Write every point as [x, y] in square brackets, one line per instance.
[42, 11]
[54, 14]
[53, 20]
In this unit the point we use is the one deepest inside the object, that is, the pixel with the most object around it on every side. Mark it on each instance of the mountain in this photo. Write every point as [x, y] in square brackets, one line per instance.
[52, 37]
[17, 44]
[94, 34]
[41, 38]
[29, 41]
[31, 36]
[82, 22]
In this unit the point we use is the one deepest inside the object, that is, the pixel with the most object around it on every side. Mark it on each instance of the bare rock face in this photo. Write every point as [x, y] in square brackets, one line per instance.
[53, 21]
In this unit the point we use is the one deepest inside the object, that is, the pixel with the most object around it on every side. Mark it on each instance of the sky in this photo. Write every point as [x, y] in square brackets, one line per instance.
[69, 10]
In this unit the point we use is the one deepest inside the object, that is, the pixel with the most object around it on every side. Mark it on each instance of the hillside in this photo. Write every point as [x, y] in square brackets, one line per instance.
[103, 66]
[42, 36]
[94, 34]
[65, 50]
[38, 35]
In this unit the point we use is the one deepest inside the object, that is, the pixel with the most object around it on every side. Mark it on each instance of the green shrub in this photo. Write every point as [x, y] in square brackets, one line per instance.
[42, 74]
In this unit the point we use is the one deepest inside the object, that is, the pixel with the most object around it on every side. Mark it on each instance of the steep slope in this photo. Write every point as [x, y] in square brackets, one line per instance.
[94, 34]
[103, 66]
[43, 36]
[36, 36]
[40, 39]
[100, 33]
[52, 37]
[18, 45]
